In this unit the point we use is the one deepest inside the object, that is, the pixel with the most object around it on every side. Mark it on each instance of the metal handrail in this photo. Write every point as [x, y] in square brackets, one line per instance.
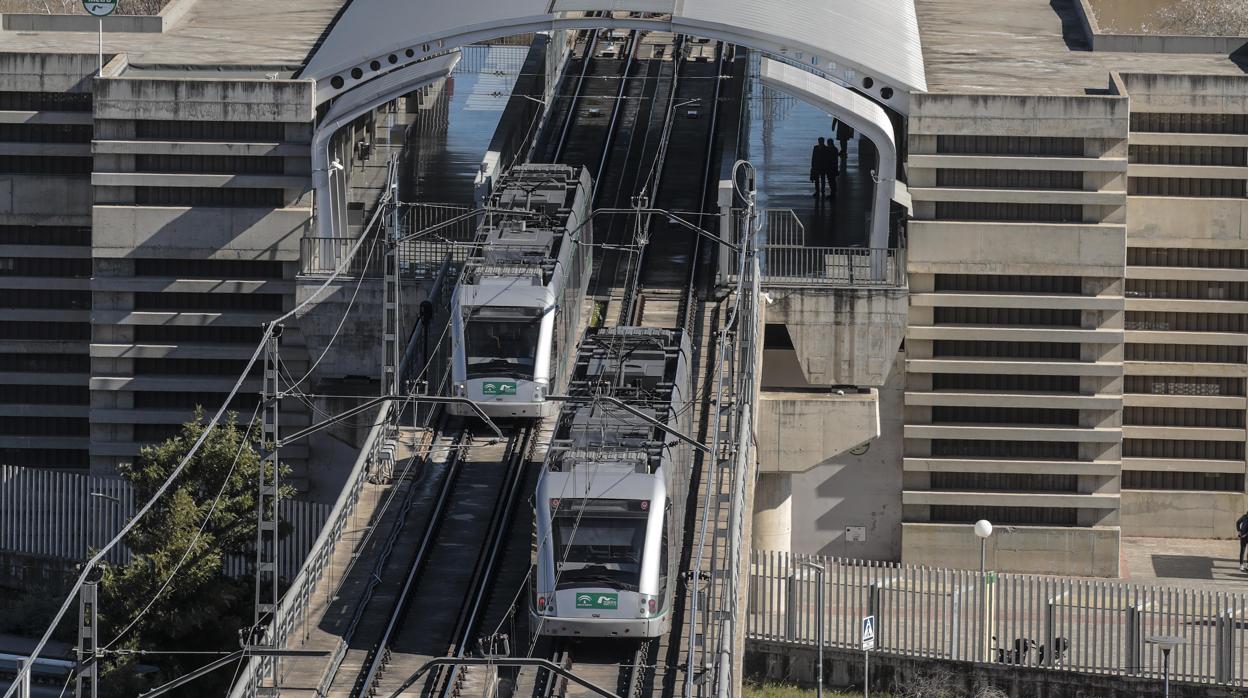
[292, 612]
[846, 267]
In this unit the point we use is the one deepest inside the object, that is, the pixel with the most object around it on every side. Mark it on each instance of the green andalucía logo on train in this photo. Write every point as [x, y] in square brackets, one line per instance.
[602, 601]
[498, 388]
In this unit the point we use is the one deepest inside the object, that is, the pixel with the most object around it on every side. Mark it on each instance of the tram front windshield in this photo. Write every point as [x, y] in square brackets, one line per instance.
[598, 550]
[502, 343]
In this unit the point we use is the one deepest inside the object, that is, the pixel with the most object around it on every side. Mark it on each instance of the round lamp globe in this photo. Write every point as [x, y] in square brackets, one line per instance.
[983, 528]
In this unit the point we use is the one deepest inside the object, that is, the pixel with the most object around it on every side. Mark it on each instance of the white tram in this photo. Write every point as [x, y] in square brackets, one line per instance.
[517, 309]
[611, 499]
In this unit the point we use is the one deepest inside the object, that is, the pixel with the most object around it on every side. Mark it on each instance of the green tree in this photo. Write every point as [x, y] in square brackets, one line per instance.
[200, 609]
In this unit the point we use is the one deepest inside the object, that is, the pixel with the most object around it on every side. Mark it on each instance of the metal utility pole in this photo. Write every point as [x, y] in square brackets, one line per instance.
[267, 592]
[391, 351]
[87, 683]
[819, 571]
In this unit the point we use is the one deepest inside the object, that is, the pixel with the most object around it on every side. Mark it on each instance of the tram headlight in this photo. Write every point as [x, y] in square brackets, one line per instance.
[461, 390]
[538, 393]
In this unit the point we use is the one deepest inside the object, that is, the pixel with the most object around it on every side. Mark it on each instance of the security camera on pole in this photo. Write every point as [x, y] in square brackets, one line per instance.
[100, 9]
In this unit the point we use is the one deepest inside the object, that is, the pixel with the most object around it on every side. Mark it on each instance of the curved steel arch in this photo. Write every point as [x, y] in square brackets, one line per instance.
[871, 45]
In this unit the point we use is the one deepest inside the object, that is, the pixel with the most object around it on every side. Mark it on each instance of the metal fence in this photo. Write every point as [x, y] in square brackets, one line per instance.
[1061, 624]
[786, 260]
[436, 232]
[63, 515]
[782, 228]
[321, 256]
[833, 266]
[66, 515]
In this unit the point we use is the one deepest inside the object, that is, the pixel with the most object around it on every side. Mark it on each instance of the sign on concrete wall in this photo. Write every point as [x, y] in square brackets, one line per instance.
[856, 534]
[100, 8]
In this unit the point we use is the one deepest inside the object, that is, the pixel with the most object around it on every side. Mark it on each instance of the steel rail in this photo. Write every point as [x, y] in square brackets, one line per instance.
[686, 310]
[478, 598]
[637, 186]
[508, 661]
[630, 285]
[634, 39]
[576, 95]
[454, 467]
[405, 505]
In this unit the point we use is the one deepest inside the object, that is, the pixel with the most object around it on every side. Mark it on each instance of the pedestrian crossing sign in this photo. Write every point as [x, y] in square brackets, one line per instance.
[868, 633]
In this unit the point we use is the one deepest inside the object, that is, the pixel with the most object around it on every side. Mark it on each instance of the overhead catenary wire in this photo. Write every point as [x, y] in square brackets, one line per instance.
[160, 492]
[345, 314]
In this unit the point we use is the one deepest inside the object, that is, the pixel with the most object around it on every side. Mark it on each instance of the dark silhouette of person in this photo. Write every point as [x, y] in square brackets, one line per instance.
[1241, 528]
[823, 168]
[844, 133]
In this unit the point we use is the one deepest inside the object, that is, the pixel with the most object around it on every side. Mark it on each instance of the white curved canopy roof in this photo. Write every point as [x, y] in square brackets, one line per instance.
[849, 40]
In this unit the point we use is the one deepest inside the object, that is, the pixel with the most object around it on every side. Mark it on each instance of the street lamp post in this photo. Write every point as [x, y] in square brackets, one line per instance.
[983, 529]
[819, 572]
[1167, 643]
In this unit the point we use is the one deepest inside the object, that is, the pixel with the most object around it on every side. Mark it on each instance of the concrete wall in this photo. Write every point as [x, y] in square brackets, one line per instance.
[799, 430]
[842, 336]
[855, 490]
[169, 15]
[1157, 225]
[34, 195]
[200, 232]
[960, 385]
[1086, 552]
[1169, 514]
[127, 229]
[356, 348]
[1116, 25]
[205, 100]
[47, 72]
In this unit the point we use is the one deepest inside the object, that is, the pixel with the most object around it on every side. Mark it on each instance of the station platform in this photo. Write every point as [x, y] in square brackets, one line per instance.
[783, 131]
[1186, 562]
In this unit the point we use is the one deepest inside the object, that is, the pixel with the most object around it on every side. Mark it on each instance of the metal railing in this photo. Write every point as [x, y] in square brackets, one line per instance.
[491, 59]
[782, 227]
[1060, 624]
[850, 267]
[321, 257]
[714, 611]
[437, 232]
[293, 611]
[787, 261]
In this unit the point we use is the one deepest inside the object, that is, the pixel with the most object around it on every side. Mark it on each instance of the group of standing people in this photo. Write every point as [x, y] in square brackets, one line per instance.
[826, 160]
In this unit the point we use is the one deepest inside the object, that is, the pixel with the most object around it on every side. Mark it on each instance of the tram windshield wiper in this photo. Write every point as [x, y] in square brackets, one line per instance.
[499, 368]
[596, 575]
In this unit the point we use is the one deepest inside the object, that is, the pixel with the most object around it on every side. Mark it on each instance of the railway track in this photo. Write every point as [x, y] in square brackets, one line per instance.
[440, 605]
[672, 141]
[631, 119]
[622, 667]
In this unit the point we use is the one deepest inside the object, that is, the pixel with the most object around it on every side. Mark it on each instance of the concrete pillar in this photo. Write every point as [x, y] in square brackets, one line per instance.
[773, 512]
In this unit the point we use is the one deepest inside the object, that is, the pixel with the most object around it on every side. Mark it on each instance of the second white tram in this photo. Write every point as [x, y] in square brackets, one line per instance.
[610, 502]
